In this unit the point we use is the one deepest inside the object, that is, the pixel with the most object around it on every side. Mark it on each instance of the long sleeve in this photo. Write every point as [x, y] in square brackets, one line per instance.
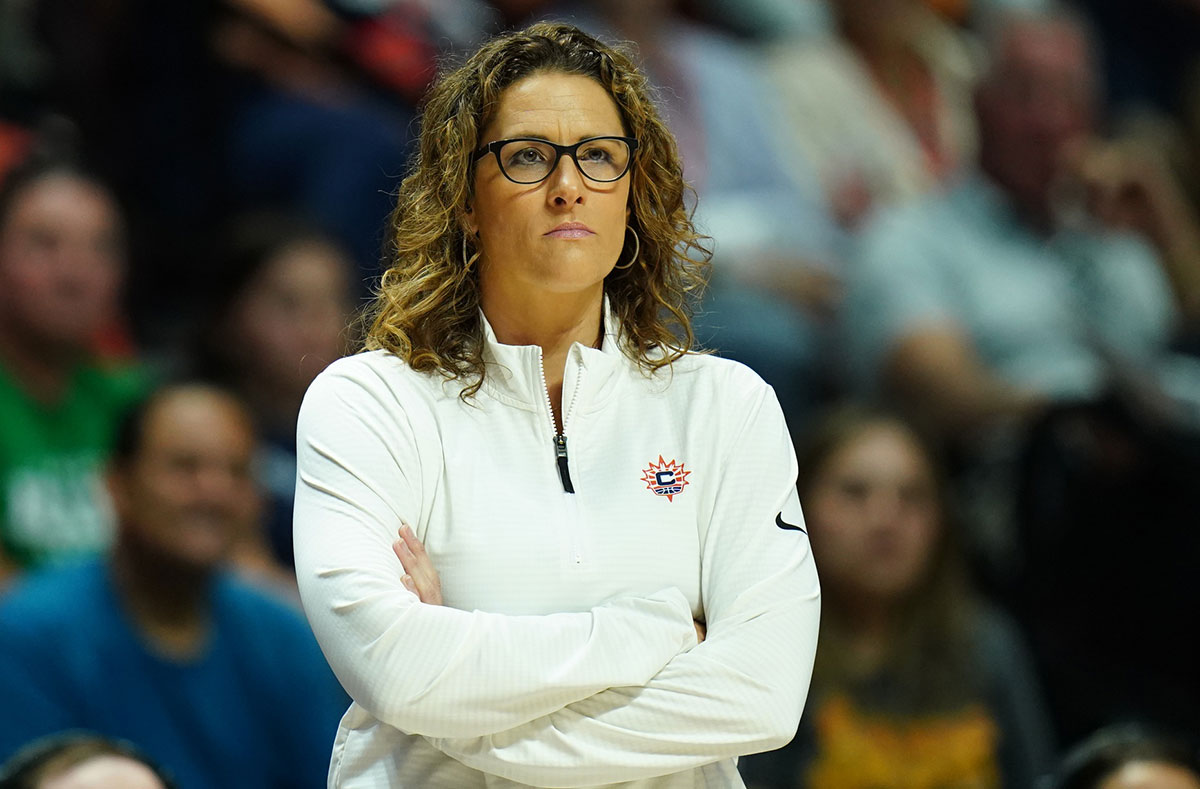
[426, 669]
[739, 692]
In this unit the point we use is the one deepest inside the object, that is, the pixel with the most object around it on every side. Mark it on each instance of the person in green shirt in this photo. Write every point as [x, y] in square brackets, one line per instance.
[62, 265]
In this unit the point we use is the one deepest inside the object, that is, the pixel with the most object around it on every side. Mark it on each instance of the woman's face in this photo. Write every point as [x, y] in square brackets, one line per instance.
[873, 515]
[61, 262]
[520, 248]
[291, 318]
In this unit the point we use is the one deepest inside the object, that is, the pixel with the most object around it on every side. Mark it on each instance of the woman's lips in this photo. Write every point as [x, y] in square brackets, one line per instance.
[571, 230]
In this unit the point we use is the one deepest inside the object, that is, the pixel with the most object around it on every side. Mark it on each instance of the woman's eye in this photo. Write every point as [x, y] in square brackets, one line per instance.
[595, 155]
[527, 156]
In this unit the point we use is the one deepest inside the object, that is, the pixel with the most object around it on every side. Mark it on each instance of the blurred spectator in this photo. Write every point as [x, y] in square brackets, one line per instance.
[917, 684]
[282, 303]
[1129, 757]
[883, 107]
[1032, 306]
[222, 685]
[777, 249]
[1015, 287]
[81, 761]
[305, 132]
[61, 267]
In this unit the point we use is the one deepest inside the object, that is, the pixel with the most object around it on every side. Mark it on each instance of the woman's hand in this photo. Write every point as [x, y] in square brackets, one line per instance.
[700, 630]
[420, 577]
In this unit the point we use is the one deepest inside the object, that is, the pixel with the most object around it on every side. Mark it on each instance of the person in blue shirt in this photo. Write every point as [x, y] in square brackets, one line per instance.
[158, 645]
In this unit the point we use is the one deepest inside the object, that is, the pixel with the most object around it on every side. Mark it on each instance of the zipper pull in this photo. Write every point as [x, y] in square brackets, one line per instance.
[564, 471]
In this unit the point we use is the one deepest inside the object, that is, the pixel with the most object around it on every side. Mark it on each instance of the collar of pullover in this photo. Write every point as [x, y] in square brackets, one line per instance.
[514, 372]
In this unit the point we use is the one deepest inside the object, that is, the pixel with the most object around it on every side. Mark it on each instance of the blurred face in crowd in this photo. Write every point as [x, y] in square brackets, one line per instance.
[187, 493]
[874, 515]
[290, 321]
[521, 248]
[1039, 98]
[1151, 775]
[105, 772]
[61, 263]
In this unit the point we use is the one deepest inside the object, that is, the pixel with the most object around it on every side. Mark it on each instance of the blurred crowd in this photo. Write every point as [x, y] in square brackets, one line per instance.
[961, 238]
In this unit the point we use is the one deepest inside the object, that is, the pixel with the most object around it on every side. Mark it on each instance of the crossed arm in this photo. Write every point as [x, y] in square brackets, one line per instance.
[421, 578]
[739, 692]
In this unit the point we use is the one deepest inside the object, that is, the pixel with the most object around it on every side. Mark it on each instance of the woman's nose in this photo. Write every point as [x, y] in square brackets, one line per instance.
[566, 184]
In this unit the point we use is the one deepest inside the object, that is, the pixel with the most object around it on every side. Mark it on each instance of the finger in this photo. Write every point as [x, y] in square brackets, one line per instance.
[416, 562]
[407, 560]
[419, 565]
[410, 537]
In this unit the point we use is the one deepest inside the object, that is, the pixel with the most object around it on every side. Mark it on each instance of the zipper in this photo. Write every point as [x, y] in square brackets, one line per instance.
[560, 439]
[564, 470]
[571, 512]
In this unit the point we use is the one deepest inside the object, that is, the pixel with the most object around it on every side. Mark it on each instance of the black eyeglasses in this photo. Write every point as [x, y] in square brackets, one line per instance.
[528, 160]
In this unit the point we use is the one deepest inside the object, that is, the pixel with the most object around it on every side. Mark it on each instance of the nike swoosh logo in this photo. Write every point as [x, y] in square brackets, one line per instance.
[781, 523]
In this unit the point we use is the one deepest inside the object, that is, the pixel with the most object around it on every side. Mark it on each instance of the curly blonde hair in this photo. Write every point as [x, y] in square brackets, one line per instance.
[426, 309]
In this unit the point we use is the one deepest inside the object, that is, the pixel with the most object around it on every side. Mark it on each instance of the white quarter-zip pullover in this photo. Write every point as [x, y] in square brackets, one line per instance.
[565, 653]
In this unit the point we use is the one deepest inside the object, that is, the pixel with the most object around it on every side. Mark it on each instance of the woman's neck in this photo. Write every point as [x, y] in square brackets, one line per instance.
[552, 321]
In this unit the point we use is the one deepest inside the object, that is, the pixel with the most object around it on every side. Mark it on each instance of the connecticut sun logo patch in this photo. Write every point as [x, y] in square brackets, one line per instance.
[666, 479]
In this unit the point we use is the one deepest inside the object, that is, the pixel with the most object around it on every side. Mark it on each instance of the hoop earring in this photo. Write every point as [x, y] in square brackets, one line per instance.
[468, 261]
[637, 247]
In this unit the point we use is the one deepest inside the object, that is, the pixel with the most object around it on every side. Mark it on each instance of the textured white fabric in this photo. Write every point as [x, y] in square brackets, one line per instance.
[565, 654]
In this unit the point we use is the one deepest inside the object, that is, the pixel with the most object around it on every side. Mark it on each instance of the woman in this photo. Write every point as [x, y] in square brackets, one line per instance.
[580, 488]
[62, 265]
[916, 687]
[281, 300]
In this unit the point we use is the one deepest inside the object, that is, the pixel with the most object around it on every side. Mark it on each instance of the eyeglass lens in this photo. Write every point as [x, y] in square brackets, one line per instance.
[527, 162]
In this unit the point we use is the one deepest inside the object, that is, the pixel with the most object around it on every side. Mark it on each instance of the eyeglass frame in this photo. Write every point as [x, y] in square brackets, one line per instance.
[559, 151]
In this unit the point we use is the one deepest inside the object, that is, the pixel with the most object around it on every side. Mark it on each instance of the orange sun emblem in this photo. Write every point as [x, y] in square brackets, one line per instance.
[666, 479]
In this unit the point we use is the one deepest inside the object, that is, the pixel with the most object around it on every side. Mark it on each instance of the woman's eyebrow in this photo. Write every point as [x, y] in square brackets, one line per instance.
[550, 137]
